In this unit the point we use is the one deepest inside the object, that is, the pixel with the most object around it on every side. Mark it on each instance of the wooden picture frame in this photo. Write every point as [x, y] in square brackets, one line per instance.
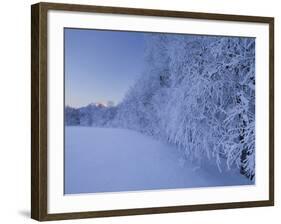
[39, 110]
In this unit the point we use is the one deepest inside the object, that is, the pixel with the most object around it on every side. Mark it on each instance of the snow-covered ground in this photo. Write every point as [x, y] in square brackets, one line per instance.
[110, 160]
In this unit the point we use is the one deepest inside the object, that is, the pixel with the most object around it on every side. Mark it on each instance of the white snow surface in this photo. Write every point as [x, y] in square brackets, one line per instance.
[114, 160]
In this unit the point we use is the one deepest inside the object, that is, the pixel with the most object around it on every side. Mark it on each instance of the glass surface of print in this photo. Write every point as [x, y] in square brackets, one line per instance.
[152, 111]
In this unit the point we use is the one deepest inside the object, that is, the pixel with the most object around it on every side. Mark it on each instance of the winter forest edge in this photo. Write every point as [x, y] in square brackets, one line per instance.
[196, 92]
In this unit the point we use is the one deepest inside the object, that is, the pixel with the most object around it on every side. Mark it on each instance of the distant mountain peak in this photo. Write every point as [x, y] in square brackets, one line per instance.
[103, 104]
[100, 105]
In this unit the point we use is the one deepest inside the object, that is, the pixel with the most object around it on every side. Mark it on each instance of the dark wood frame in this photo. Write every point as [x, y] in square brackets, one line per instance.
[39, 110]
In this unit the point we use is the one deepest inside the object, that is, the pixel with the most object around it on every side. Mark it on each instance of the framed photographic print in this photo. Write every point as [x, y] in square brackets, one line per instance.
[139, 111]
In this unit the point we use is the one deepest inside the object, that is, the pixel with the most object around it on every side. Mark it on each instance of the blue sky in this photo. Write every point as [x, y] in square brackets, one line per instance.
[101, 65]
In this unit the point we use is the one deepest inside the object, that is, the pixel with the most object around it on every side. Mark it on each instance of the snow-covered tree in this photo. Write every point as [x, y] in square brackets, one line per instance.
[143, 102]
[198, 92]
[71, 116]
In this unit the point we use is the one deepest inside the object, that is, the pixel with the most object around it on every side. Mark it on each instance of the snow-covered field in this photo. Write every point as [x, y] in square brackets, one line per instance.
[110, 160]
